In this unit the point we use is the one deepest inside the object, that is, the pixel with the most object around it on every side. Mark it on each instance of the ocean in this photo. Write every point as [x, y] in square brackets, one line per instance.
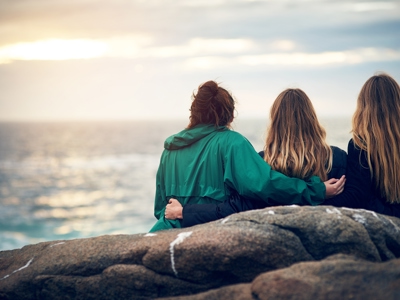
[68, 180]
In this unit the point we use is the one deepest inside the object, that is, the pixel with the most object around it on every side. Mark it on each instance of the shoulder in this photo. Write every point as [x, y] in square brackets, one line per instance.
[339, 162]
[352, 147]
[353, 151]
[337, 152]
[234, 142]
[232, 136]
[339, 156]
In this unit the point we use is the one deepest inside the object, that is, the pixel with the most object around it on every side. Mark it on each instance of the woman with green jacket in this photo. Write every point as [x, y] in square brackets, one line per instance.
[207, 162]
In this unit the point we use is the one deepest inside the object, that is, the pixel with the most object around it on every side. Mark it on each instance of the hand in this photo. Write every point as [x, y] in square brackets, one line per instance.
[173, 210]
[334, 186]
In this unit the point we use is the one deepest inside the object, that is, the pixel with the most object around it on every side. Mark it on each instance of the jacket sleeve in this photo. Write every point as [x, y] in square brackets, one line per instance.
[248, 174]
[160, 203]
[339, 163]
[194, 214]
[357, 192]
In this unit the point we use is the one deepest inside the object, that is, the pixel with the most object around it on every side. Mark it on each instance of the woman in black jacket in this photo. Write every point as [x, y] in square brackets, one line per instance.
[295, 146]
[373, 164]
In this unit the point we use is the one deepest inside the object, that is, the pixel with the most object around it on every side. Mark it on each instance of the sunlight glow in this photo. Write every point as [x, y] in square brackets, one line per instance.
[53, 50]
[207, 62]
[283, 45]
[199, 46]
[128, 46]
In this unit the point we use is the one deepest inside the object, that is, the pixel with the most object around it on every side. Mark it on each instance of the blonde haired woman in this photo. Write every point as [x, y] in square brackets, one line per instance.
[295, 146]
[373, 171]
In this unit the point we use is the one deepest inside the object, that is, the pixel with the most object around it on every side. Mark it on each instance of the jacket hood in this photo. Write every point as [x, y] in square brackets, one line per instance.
[190, 136]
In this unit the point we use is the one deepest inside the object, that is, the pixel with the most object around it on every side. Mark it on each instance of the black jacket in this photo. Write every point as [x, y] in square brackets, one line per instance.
[360, 190]
[194, 214]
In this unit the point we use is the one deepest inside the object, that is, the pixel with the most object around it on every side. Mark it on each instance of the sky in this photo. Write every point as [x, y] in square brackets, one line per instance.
[142, 59]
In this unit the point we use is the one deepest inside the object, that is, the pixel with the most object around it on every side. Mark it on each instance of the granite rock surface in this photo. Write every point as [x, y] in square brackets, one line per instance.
[283, 252]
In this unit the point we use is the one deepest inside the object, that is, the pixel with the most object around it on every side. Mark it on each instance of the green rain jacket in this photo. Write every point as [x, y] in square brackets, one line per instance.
[204, 164]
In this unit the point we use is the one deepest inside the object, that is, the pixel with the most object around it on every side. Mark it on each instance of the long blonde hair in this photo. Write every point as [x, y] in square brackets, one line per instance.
[376, 130]
[295, 143]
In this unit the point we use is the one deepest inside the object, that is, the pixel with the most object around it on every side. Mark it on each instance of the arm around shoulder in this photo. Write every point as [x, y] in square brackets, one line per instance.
[248, 174]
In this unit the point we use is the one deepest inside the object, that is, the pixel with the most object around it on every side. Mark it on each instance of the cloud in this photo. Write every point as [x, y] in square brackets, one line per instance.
[296, 59]
[348, 57]
[53, 50]
[111, 54]
[197, 53]
[194, 47]
[374, 6]
[131, 47]
[283, 45]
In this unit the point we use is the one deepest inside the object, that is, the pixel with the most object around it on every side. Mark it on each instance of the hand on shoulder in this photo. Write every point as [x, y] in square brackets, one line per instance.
[334, 186]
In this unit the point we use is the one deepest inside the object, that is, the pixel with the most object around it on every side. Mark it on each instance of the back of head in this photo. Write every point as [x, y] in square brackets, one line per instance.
[376, 129]
[211, 104]
[295, 143]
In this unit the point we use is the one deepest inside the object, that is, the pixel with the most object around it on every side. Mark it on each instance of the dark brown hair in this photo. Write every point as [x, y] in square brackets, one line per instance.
[211, 105]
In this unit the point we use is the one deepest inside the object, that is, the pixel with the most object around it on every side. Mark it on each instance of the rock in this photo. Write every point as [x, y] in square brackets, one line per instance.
[337, 277]
[333, 278]
[241, 291]
[218, 258]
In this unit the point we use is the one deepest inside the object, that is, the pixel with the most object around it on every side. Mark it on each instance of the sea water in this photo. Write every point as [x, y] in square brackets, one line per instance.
[66, 180]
